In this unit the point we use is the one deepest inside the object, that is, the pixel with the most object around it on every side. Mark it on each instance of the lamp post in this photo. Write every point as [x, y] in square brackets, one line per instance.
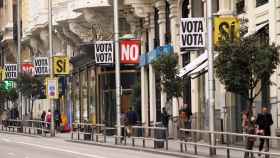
[51, 63]
[117, 65]
[19, 52]
[211, 75]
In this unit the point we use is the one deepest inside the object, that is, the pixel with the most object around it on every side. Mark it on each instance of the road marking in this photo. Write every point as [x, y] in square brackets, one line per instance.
[61, 150]
[11, 154]
[6, 140]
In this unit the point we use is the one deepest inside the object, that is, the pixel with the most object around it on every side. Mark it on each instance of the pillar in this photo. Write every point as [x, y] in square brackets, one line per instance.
[152, 78]
[160, 4]
[226, 7]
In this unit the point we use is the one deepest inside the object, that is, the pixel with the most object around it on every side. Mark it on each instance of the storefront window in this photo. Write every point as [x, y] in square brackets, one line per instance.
[76, 97]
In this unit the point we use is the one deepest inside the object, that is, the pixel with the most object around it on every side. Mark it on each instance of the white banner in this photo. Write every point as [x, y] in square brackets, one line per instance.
[192, 32]
[41, 65]
[11, 71]
[104, 52]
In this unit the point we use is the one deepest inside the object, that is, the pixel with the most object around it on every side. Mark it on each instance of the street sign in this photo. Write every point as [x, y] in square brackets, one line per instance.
[104, 52]
[61, 65]
[52, 88]
[2, 75]
[192, 32]
[41, 65]
[226, 28]
[11, 71]
[130, 51]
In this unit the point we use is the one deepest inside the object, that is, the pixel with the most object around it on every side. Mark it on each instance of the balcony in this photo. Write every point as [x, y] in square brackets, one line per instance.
[240, 7]
[261, 2]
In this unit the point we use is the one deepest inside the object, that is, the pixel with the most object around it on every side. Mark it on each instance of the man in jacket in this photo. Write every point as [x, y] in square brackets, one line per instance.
[264, 121]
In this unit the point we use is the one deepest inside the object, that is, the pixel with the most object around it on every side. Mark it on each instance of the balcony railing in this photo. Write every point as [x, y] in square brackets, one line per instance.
[240, 7]
[261, 2]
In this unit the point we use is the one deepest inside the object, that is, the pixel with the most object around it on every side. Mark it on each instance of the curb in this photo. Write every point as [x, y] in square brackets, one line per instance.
[22, 134]
[139, 149]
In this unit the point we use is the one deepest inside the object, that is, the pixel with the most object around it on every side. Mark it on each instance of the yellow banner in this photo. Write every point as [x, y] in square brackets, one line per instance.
[226, 28]
[2, 75]
[61, 65]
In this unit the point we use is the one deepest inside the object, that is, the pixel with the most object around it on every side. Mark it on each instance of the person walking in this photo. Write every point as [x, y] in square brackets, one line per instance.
[48, 119]
[164, 117]
[250, 140]
[264, 121]
[43, 116]
[131, 121]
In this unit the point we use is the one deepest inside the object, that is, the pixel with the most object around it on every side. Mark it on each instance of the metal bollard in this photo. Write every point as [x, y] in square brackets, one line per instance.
[104, 134]
[228, 151]
[166, 137]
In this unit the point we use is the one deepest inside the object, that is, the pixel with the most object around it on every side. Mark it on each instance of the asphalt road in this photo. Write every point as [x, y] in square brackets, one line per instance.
[16, 146]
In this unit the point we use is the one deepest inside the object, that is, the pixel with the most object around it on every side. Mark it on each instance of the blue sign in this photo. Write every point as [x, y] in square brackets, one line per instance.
[153, 55]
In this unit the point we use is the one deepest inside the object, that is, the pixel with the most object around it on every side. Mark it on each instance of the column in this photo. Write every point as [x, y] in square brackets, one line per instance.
[174, 21]
[152, 78]
[162, 30]
[226, 7]
[250, 5]
[144, 83]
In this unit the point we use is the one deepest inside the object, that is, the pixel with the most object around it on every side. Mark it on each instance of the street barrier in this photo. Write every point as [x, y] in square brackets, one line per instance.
[227, 147]
[34, 127]
[93, 132]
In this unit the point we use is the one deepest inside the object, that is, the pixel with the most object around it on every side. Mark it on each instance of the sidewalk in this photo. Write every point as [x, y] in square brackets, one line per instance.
[173, 147]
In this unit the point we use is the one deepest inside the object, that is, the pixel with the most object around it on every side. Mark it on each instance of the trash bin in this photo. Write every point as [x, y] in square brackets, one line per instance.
[159, 134]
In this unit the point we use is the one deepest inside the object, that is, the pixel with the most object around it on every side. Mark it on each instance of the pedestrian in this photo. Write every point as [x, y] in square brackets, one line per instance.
[57, 119]
[164, 117]
[251, 129]
[131, 121]
[123, 124]
[43, 116]
[48, 119]
[182, 124]
[264, 121]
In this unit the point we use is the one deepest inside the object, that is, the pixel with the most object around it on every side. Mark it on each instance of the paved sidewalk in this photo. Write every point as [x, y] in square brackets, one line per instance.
[173, 147]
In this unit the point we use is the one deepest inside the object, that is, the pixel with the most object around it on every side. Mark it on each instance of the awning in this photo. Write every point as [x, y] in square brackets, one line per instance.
[258, 28]
[201, 68]
[193, 65]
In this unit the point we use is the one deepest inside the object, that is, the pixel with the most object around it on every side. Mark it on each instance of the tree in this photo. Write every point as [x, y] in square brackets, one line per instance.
[242, 65]
[30, 87]
[168, 69]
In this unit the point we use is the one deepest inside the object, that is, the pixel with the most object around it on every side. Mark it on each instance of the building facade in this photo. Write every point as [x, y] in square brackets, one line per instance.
[88, 93]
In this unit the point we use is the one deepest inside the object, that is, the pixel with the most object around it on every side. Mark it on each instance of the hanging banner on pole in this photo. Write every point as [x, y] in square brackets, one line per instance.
[61, 65]
[192, 32]
[27, 68]
[2, 75]
[41, 65]
[226, 28]
[11, 71]
[104, 52]
[52, 88]
[130, 51]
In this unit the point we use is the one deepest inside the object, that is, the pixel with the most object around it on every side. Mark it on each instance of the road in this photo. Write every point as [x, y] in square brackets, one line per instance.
[16, 146]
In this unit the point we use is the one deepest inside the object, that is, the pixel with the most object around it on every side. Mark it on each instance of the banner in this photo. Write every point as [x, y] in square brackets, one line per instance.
[41, 65]
[226, 28]
[2, 75]
[130, 51]
[104, 52]
[11, 71]
[52, 88]
[192, 32]
[61, 65]
[27, 68]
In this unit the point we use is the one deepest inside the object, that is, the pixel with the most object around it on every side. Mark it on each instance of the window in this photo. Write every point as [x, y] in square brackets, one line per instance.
[240, 6]
[261, 2]
[167, 23]
[185, 9]
[156, 18]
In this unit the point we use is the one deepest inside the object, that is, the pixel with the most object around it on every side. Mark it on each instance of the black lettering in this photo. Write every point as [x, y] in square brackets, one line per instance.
[194, 39]
[61, 66]
[200, 39]
[200, 26]
[224, 33]
[189, 26]
[195, 26]
[189, 40]
[184, 39]
[184, 26]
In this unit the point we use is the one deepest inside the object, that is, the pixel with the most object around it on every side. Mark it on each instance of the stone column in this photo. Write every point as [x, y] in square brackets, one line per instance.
[144, 81]
[152, 78]
[174, 21]
[160, 5]
[226, 7]
[251, 5]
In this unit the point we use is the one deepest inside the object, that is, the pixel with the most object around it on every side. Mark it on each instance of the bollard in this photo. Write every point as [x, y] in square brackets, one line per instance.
[104, 133]
[166, 137]
[228, 151]
[78, 131]
[195, 146]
